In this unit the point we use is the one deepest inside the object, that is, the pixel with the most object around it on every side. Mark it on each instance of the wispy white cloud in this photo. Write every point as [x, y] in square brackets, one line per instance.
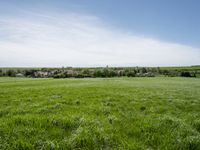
[83, 40]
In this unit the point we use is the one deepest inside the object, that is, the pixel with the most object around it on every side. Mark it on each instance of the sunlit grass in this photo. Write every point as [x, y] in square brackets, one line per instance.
[115, 113]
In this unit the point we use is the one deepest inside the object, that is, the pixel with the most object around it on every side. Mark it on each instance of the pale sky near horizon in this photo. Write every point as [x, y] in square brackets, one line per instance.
[48, 33]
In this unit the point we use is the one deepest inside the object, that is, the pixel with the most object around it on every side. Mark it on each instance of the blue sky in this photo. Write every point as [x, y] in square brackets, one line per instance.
[96, 33]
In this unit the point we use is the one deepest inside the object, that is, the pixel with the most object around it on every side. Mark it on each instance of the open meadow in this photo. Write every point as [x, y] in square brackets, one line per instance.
[100, 113]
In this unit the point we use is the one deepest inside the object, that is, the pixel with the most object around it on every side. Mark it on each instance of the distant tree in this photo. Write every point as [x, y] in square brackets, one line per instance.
[131, 74]
[29, 73]
[154, 70]
[105, 72]
[86, 71]
[10, 73]
[144, 70]
[80, 75]
[1, 72]
[126, 72]
[112, 73]
[60, 75]
[165, 72]
[158, 70]
[194, 73]
[98, 73]
[186, 74]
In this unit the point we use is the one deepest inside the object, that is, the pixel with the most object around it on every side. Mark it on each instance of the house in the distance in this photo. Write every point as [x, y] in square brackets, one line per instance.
[19, 75]
[42, 74]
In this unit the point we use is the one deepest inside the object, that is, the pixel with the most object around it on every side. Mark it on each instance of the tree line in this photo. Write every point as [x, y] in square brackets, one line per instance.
[103, 72]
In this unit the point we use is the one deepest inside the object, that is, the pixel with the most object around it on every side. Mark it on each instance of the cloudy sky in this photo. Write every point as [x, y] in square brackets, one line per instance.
[83, 33]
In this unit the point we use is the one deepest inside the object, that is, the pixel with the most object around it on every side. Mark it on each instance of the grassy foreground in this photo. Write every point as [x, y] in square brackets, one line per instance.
[115, 113]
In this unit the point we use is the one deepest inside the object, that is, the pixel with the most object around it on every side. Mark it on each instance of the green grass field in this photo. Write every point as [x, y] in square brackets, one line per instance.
[116, 113]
